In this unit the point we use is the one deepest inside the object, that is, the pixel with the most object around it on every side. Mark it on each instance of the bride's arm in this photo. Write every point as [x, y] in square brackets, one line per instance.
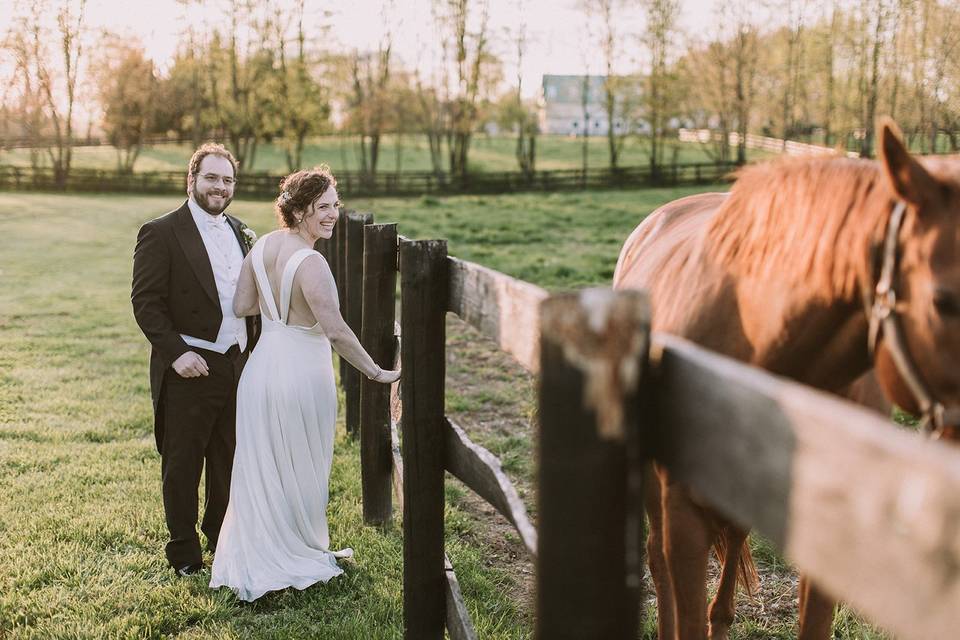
[321, 293]
[246, 301]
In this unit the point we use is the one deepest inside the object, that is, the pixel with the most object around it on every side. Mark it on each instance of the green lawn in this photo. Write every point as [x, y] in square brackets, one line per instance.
[81, 523]
[340, 152]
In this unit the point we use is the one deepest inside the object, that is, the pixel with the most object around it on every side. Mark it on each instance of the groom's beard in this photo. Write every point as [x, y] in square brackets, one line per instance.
[204, 201]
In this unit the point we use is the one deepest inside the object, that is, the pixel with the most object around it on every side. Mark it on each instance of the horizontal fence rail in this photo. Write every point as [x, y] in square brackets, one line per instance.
[500, 307]
[481, 471]
[870, 511]
[261, 185]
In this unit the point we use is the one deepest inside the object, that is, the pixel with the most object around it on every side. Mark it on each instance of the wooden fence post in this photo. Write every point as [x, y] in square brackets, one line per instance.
[423, 303]
[326, 247]
[340, 274]
[592, 352]
[354, 312]
[379, 308]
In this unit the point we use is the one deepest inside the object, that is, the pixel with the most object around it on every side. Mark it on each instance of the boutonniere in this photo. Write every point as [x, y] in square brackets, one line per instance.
[249, 237]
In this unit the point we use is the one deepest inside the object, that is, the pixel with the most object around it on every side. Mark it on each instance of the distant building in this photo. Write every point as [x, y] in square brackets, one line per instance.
[562, 110]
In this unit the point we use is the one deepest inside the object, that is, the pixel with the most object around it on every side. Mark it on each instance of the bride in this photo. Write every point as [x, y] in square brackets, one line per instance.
[275, 532]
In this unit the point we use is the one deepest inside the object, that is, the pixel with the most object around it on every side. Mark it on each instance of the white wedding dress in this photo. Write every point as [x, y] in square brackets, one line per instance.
[275, 534]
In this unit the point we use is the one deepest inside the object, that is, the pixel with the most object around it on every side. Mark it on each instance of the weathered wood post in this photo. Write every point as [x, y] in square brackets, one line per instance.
[340, 273]
[325, 247]
[354, 312]
[423, 303]
[379, 308]
[592, 354]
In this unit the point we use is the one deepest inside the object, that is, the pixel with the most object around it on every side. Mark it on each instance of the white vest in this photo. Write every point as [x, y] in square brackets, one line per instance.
[225, 255]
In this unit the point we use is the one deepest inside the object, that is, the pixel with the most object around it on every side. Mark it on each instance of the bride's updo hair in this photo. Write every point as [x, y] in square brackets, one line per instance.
[298, 190]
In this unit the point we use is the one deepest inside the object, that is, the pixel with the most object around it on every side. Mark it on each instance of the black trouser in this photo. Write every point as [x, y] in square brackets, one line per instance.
[199, 425]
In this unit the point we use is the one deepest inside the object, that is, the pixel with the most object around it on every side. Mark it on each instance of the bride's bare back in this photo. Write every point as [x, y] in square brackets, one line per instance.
[280, 246]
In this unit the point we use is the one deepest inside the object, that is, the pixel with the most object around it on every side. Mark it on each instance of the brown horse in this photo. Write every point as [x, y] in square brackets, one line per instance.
[816, 269]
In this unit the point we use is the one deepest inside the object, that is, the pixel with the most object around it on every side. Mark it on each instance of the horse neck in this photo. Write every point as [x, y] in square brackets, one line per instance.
[798, 240]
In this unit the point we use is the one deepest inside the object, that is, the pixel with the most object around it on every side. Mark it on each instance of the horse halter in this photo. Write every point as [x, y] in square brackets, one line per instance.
[883, 316]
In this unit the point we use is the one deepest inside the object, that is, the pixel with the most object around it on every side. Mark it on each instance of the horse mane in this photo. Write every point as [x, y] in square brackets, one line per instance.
[801, 222]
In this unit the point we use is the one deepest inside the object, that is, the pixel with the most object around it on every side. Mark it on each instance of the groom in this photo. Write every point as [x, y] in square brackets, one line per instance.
[185, 269]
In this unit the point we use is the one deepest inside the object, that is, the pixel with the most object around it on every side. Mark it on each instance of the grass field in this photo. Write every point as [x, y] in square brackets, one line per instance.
[340, 152]
[81, 525]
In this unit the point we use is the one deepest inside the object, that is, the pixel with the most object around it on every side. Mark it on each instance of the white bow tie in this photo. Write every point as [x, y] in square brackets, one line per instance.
[217, 222]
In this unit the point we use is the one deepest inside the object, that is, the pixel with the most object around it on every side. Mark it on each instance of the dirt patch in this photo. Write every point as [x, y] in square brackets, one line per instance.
[491, 397]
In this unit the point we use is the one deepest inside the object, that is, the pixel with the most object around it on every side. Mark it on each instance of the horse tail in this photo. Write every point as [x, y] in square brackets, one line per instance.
[747, 575]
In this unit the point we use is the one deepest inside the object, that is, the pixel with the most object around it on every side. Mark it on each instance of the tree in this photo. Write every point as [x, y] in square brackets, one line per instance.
[28, 116]
[585, 112]
[302, 103]
[431, 116]
[370, 100]
[875, 15]
[718, 80]
[49, 91]
[586, 58]
[242, 85]
[793, 34]
[659, 35]
[128, 96]
[404, 111]
[943, 98]
[709, 107]
[744, 56]
[474, 72]
[830, 47]
[517, 115]
[618, 92]
[183, 98]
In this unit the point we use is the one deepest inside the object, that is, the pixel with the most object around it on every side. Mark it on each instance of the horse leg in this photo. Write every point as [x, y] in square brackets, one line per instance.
[687, 540]
[723, 606]
[816, 612]
[816, 608]
[666, 629]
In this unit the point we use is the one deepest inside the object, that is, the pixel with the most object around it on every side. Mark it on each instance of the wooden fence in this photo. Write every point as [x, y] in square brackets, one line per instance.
[431, 285]
[353, 184]
[773, 145]
[870, 511]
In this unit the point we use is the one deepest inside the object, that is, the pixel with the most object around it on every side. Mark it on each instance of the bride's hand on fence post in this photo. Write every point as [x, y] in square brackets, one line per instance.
[386, 376]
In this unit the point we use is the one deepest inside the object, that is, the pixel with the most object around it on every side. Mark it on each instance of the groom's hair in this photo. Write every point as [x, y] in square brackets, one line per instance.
[210, 149]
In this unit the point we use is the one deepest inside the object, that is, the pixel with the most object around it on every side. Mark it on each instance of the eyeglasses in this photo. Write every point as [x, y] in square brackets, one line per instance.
[213, 177]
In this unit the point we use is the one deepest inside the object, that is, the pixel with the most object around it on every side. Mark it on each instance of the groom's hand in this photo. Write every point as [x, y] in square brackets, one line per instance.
[190, 365]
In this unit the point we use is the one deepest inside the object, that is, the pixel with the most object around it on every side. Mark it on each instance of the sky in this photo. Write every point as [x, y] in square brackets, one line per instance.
[557, 29]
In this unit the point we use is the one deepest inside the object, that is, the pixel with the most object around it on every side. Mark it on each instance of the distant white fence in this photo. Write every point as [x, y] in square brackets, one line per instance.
[775, 145]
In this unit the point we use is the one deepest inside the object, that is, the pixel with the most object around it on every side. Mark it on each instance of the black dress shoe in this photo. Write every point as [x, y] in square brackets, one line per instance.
[189, 570]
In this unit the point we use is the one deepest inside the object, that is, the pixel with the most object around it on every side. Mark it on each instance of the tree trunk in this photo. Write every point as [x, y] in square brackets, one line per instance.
[612, 145]
[584, 103]
[873, 88]
[374, 153]
[831, 80]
